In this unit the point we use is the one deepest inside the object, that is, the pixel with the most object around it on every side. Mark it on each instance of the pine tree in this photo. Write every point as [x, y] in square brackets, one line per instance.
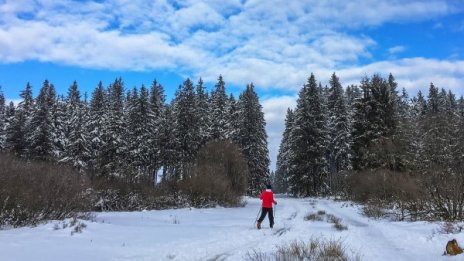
[9, 120]
[339, 146]
[158, 127]
[218, 110]
[433, 102]
[253, 139]
[98, 115]
[17, 130]
[77, 146]
[233, 124]
[375, 122]
[114, 130]
[202, 106]
[188, 127]
[308, 143]
[40, 140]
[139, 134]
[461, 106]
[2, 121]
[169, 145]
[418, 106]
[283, 165]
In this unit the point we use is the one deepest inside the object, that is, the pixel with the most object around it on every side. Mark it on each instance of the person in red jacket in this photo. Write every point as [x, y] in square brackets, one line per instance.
[267, 197]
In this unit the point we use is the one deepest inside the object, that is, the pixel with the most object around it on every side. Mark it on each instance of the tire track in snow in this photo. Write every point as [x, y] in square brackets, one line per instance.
[289, 209]
[372, 237]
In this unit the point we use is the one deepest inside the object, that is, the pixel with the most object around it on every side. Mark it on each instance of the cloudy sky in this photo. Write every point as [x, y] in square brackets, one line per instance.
[275, 44]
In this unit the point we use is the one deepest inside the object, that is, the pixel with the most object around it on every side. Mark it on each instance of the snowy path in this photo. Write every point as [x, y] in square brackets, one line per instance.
[223, 234]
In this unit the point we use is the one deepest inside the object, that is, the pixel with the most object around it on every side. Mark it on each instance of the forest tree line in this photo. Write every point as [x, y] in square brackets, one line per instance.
[133, 134]
[373, 143]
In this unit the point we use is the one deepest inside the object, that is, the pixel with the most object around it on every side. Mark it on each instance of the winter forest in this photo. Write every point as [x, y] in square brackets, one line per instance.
[374, 144]
[128, 149]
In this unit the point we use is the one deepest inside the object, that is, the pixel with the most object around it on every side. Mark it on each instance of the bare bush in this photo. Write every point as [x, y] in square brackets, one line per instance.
[340, 226]
[373, 210]
[315, 250]
[450, 228]
[313, 217]
[382, 189]
[117, 195]
[31, 192]
[219, 175]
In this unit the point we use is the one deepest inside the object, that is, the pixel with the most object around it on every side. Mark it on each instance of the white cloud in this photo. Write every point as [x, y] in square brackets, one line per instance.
[396, 49]
[275, 110]
[274, 43]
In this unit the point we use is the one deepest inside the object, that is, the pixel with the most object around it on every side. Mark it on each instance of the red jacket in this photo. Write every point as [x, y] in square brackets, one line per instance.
[267, 197]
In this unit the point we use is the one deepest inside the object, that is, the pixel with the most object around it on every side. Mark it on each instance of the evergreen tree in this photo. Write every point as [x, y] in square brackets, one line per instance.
[308, 143]
[283, 165]
[353, 93]
[98, 115]
[233, 124]
[375, 122]
[3, 121]
[202, 106]
[169, 156]
[187, 122]
[114, 146]
[461, 106]
[339, 146]
[17, 130]
[253, 139]
[218, 110]
[433, 102]
[40, 140]
[418, 106]
[77, 146]
[158, 128]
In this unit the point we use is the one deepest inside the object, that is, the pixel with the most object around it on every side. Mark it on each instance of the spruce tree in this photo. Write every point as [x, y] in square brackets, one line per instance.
[339, 145]
[202, 105]
[77, 146]
[98, 115]
[40, 140]
[157, 127]
[169, 155]
[309, 143]
[3, 121]
[187, 123]
[233, 124]
[375, 122]
[114, 146]
[283, 165]
[252, 139]
[17, 130]
[218, 110]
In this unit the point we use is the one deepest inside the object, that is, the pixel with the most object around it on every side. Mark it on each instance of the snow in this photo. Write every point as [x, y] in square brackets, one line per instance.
[223, 234]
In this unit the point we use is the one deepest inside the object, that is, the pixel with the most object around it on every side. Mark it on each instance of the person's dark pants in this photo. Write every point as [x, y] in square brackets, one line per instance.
[264, 212]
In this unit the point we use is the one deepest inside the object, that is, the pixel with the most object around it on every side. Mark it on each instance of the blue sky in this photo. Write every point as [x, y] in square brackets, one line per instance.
[275, 44]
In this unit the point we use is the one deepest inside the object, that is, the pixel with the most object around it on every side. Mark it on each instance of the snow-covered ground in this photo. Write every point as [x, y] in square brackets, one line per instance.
[223, 234]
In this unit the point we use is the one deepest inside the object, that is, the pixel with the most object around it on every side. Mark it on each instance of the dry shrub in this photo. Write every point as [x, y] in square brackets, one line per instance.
[450, 228]
[31, 192]
[315, 250]
[313, 217]
[219, 175]
[373, 210]
[340, 227]
[120, 195]
[383, 189]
